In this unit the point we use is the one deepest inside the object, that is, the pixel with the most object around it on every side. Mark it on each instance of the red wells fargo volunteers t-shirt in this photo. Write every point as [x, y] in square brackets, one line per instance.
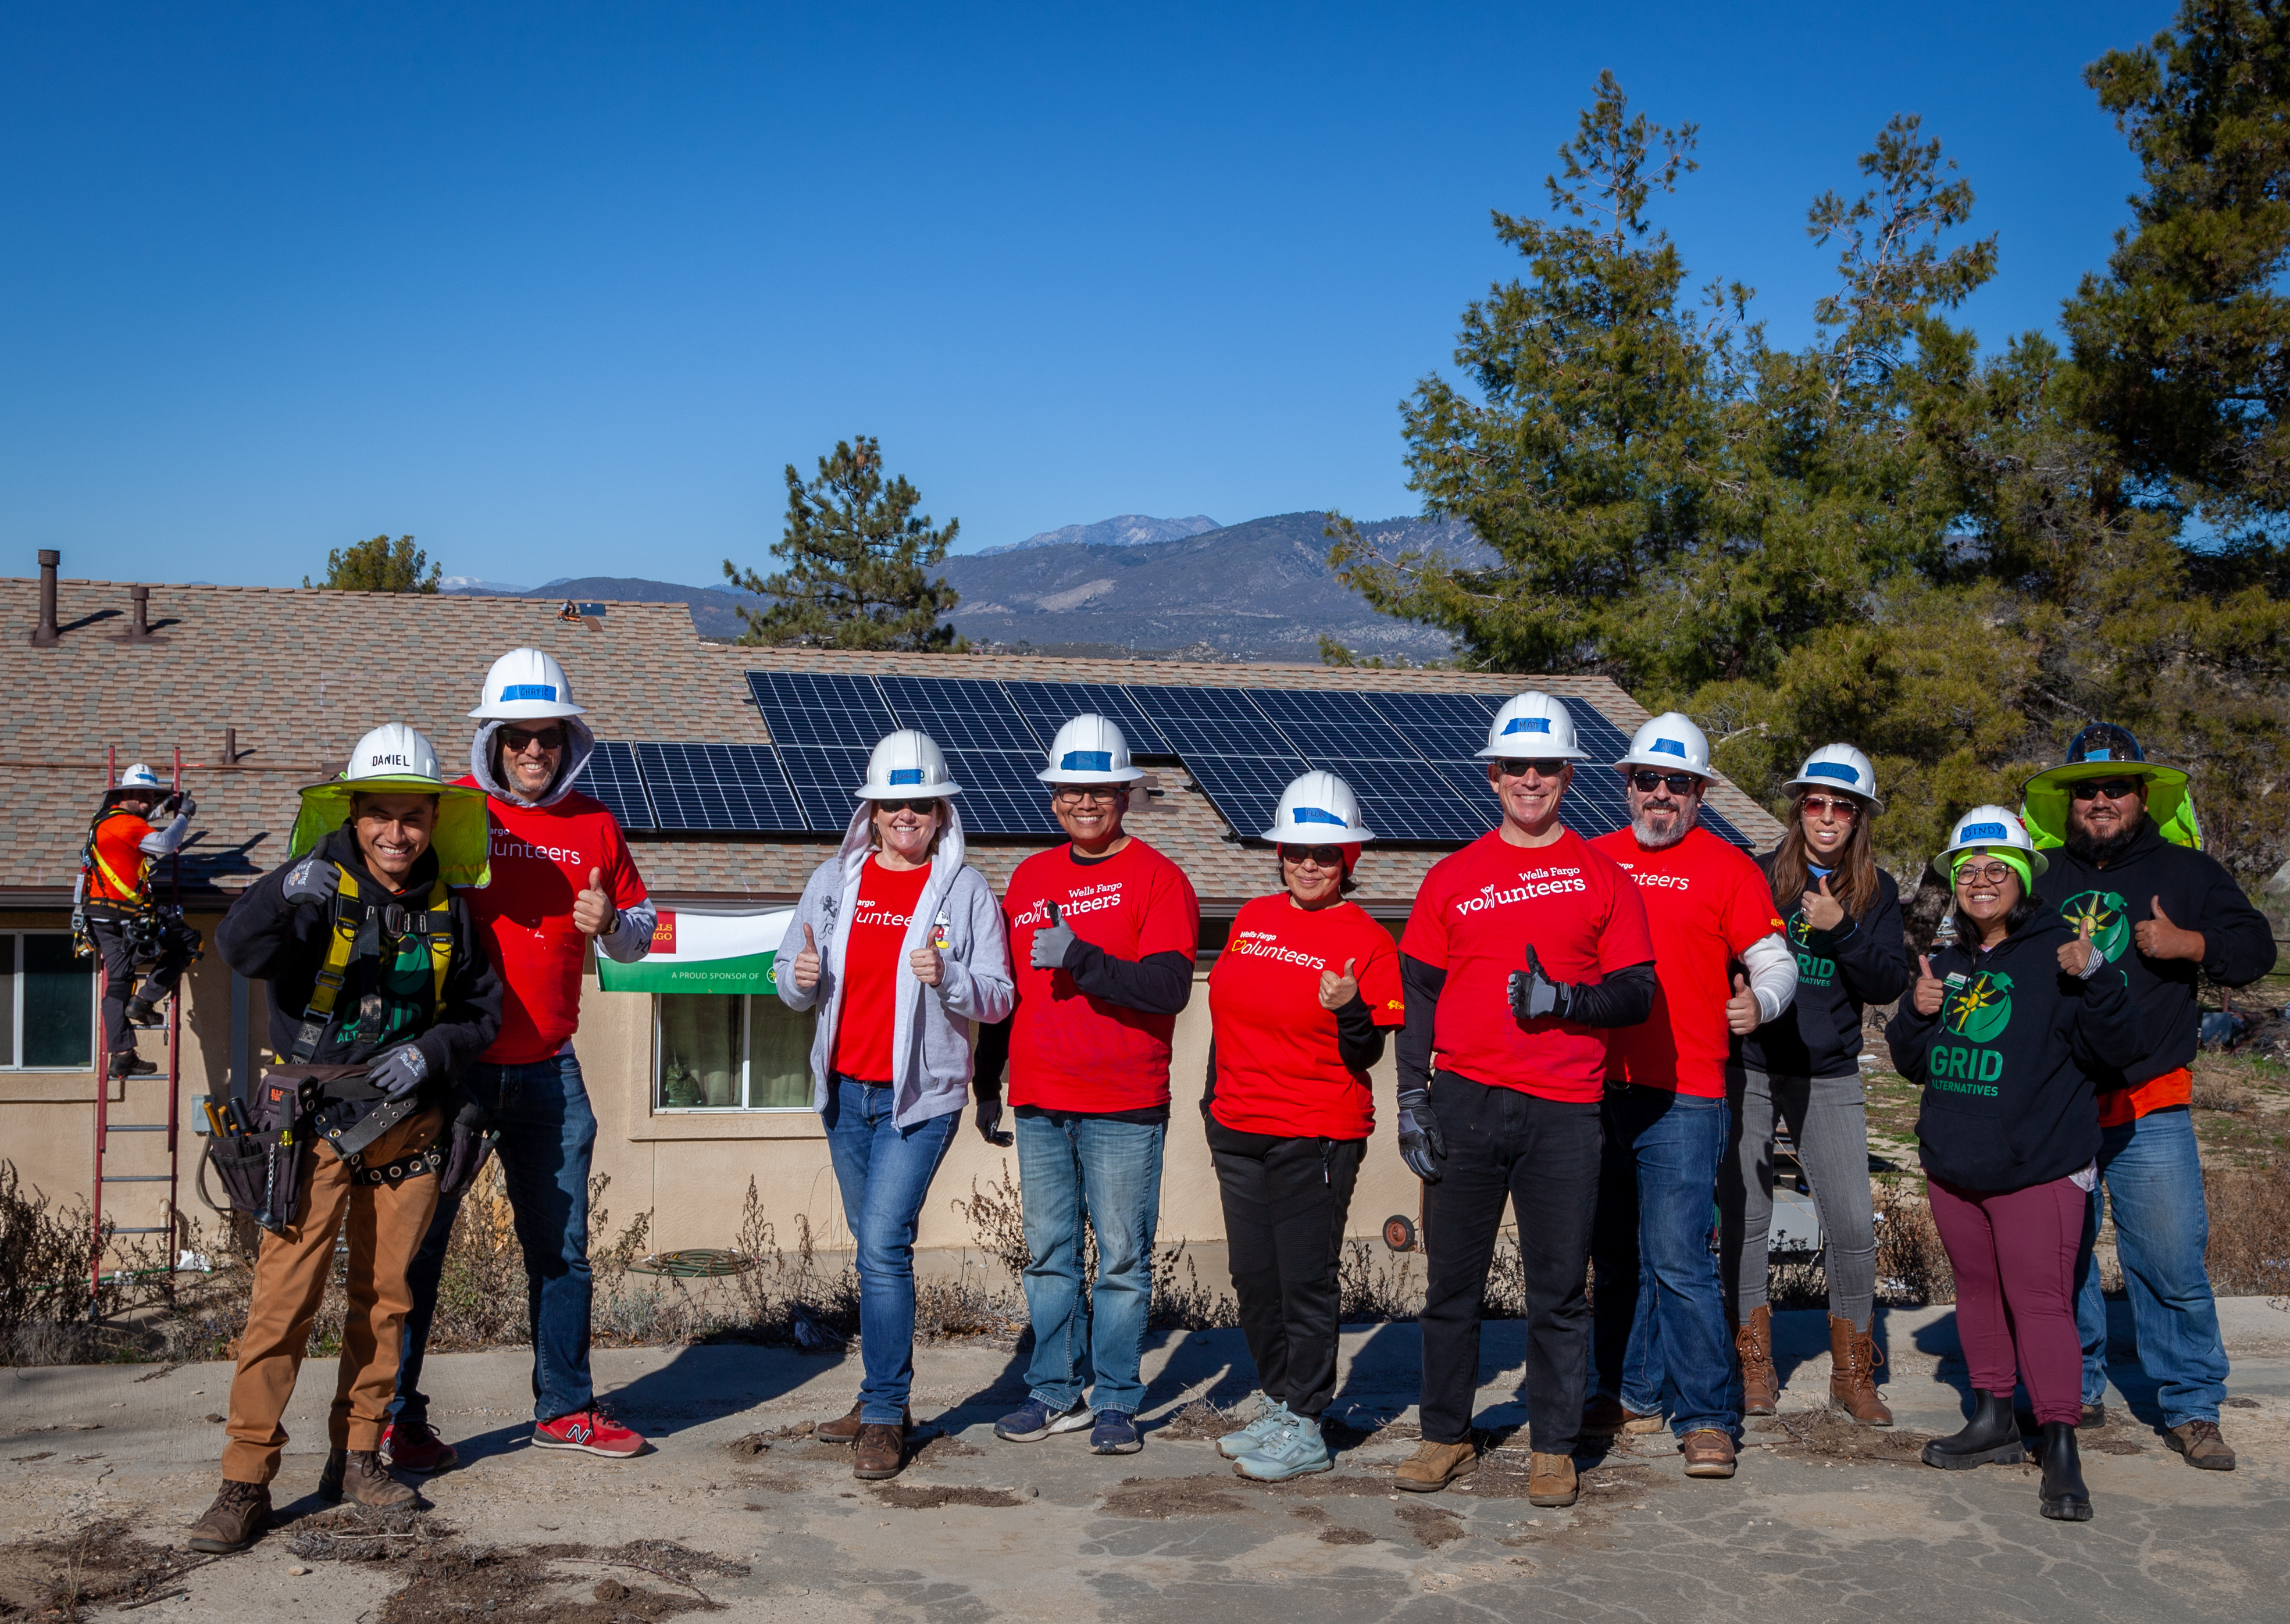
[872, 947]
[119, 847]
[541, 857]
[1707, 902]
[1475, 915]
[1277, 1071]
[1069, 1052]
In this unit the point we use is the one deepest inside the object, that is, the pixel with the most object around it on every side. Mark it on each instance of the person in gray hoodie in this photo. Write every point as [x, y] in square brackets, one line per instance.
[904, 949]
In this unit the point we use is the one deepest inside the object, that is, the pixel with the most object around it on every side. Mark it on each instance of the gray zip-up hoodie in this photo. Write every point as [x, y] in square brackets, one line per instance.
[630, 939]
[930, 1033]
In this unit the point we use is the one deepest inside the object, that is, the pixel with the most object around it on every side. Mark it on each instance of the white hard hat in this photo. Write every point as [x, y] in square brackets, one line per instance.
[140, 776]
[1984, 826]
[1089, 749]
[1318, 809]
[1533, 727]
[907, 765]
[394, 751]
[1669, 740]
[524, 683]
[1838, 766]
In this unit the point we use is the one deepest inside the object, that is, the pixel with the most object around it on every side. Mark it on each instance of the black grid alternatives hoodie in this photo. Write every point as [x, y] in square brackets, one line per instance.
[2007, 1065]
[1839, 974]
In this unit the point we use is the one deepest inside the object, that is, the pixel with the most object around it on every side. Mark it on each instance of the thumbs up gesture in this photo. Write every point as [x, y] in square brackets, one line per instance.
[1741, 1015]
[2076, 956]
[1822, 911]
[805, 973]
[2158, 938]
[1053, 941]
[1928, 991]
[593, 913]
[1338, 990]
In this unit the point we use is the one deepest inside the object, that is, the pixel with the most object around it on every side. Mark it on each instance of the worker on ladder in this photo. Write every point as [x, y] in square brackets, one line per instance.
[116, 917]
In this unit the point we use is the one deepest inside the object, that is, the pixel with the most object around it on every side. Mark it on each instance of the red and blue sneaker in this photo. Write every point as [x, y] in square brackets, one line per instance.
[413, 1447]
[591, 1431]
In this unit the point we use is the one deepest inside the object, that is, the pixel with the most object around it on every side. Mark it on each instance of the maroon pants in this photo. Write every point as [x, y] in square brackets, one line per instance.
[2015, 1256]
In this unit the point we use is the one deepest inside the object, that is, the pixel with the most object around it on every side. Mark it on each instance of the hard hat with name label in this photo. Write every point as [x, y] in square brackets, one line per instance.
[1838, 766]
[524, 683]
[140, 776]
[1089, 749]
[1318, 809]
[907, 765]
[1669, 740]
[1986, 826]
[396, 759]
[1532, 727]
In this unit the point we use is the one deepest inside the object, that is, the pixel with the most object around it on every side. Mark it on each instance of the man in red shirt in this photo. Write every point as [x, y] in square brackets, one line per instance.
[1521, 950]
[562, 878]
[1662, 1320]
[1103, 933]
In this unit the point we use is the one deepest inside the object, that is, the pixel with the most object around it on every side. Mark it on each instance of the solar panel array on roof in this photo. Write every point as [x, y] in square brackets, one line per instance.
[727, 787]
[611, 777]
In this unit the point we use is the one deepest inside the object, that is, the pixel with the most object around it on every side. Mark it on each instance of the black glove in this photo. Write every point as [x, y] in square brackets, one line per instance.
[1535, 994]
[1421, 1146]
[399, 1072]
[1053, 941]
[312, 882]
[472, 1143]
[989, 1120]
[179, 805]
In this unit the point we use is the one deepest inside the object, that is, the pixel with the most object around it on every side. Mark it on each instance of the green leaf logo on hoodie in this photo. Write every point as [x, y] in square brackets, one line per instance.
[1979, 1010]
[2103, 911]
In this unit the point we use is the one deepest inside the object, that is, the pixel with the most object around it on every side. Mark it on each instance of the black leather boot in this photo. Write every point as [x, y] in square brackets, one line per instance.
[2064, 1496]
[1991, 1437]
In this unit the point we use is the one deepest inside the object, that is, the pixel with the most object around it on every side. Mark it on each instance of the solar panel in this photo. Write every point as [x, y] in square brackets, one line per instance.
[1245, 788]
[1441, 726]
[1000, 795]
[1410, 801]
[1334, 722]
[826, 777]
[961, 714]
[718, 788]
[1050, 706]
[822, 707]
[1716, 823]
[611, 777]
[1212, 722]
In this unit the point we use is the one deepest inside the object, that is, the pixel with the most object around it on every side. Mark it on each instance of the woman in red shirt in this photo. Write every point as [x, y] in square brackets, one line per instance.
[1299, 1002]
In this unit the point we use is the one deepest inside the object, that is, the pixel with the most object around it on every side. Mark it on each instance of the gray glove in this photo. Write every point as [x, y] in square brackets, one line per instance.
[1422, 1145]
[1535, 994]
[1053, 941]
[311, 882]
[399, 1072]
[989, 1120]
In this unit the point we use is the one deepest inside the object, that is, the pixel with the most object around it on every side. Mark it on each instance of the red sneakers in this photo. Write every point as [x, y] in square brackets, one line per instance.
[591, 1431]
[413, 1447]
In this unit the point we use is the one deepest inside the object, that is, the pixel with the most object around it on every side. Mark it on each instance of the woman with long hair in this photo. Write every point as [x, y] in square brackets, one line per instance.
[1843, 919]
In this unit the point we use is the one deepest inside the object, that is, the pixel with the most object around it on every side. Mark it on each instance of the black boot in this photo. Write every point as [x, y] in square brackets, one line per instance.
[1991, 1437]
[142, 1012]
[2064, 1496]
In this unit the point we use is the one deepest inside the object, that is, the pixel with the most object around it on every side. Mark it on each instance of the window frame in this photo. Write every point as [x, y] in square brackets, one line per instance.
[747, 1002]
[19, 977]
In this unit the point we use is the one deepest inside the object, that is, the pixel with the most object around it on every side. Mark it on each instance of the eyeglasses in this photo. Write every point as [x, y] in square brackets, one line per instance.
[514, 739]
[1073, 794]
[1519, 766]
[915, 805]
[1327, 857]
[1842, 809]
[2113, 788]
[1986, 873]
[1678, 783]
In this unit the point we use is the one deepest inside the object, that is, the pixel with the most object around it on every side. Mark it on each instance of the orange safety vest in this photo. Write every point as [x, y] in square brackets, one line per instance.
[109, 874]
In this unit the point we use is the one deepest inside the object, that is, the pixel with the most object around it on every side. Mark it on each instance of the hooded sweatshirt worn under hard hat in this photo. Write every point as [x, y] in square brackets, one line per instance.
[930, 1033]
[1839, 974]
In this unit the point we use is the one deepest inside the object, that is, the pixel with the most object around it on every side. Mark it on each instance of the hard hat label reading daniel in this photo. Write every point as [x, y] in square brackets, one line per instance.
[388, 761]
[1526, 724]
[1982, 831]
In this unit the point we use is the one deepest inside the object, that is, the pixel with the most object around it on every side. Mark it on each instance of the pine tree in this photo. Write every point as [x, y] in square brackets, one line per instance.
[380, 565]
[857, 561]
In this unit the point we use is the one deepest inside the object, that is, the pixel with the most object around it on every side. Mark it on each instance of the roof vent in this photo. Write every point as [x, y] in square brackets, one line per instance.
[43, 634]
[139, 629]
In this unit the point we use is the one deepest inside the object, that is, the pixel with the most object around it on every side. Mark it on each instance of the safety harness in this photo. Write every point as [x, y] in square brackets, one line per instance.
[129, 894]
[359, 924]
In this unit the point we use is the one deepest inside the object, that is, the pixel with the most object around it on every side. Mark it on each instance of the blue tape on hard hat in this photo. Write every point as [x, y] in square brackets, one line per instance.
[2099, 755]
[906, 775]
[1670, 747]
[1313, 814]
[1982, 831]
[1086, 761]
[1526, 724]
[1831, 769]
[530, 691]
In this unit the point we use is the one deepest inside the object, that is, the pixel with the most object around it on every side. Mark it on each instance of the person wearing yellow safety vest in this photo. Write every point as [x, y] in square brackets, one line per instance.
[124, 926]
[381, 994]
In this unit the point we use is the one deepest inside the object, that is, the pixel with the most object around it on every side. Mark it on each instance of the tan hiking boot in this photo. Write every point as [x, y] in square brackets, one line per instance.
[2201, 1444]
[239, 1513]
[1753, 1346]
[1604, 1417]
[1550, 1480]
[358, 1475]
[1434, 1465]
[882, 1450]
[1708, 1452]
[1853, 1357]
[844, 1429]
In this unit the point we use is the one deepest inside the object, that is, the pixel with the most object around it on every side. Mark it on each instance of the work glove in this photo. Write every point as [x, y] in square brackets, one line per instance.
[472, 1143]
[399, 1072]
[1535, 994]
[1053, 941]
[311, 882]
[989, 1120]
[1421, 1146]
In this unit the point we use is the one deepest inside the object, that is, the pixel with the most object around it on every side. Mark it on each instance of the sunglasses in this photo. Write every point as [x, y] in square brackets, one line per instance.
[1074, 794]
[514, 739]
[1988, 874]
[1327, 857]
[2113, 788]
[918, 804]
[1519, 766]
[1678, 783]
[1843, 811]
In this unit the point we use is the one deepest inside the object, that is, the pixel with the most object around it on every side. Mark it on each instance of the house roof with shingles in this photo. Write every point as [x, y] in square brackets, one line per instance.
[296, 674]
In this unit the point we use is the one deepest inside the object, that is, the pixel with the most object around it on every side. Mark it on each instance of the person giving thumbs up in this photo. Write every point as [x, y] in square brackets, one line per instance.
[593, 913]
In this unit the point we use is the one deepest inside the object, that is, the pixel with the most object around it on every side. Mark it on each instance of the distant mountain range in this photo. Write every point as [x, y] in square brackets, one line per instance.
[1257, 591]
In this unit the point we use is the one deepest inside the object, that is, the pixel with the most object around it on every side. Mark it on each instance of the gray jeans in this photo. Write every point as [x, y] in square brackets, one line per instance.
[1828, 1120]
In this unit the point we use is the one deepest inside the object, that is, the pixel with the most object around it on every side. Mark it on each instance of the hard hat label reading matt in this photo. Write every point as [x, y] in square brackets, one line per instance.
[1526, 724]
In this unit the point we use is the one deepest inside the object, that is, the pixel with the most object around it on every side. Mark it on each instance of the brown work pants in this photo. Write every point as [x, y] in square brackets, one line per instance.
[386, 1226]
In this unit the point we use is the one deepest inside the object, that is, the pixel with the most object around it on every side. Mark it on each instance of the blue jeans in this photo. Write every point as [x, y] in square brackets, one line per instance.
[885, 1173]
[1658, 1320]
[1075, 1169]
[547, 1136]
[2154, 1181]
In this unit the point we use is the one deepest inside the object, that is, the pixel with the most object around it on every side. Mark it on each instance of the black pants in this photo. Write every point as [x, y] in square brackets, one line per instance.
[1284, 1204]
[179, 945]
[1541, 1157]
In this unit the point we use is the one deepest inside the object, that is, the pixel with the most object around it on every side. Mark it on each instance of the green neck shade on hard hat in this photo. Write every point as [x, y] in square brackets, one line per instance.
[2044, 809]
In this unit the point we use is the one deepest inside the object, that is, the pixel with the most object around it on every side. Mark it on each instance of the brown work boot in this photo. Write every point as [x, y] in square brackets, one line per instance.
[844, 1429]
[1753, 1346]
[2200, 1442]
[1604, 1417]
[1853, 1357]
[1708, 1452]
[1434, 1465]
[239, 1513]
[882, 1450]
[1550, 1480]
[358, 1475]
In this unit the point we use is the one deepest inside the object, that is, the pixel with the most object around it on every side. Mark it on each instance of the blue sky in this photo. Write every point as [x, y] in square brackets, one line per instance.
[559, 289]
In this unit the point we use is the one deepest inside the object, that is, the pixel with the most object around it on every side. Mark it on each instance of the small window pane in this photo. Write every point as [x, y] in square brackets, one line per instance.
[779, 1055]
[699, 1051]
[59, 1004]
[7, 1000]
